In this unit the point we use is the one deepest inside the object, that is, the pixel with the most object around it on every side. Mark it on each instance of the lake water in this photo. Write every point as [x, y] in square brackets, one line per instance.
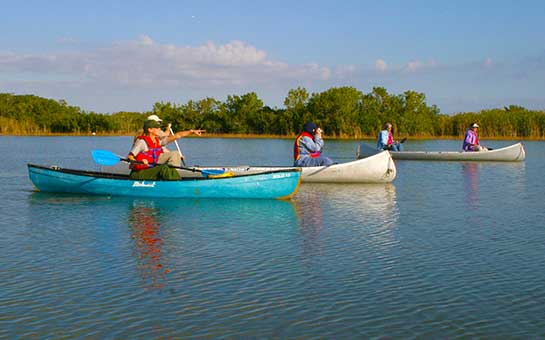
[447, 250]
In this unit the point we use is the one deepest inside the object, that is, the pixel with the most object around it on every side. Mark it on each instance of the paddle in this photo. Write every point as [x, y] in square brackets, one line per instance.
[108, 158]
[177, 146]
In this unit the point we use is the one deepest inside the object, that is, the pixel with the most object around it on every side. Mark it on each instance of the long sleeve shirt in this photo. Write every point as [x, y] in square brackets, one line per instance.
[383, 139]
[308, 146]
[471, 139]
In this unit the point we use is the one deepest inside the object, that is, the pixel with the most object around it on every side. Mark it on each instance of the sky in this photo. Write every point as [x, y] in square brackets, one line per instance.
[110, 56]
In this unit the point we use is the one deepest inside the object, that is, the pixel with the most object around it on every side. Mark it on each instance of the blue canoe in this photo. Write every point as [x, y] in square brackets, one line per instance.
[270, 184]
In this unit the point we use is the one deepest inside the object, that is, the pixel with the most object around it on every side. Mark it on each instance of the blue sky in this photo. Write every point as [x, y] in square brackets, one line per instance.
[109, 56]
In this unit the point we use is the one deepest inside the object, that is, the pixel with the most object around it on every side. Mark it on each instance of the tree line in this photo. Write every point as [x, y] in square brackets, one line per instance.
[343, 112]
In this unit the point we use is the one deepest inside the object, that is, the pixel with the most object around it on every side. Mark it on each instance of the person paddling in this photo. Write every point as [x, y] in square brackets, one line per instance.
[385, 140]
[148, 159]
[471, 139]
[168, 131]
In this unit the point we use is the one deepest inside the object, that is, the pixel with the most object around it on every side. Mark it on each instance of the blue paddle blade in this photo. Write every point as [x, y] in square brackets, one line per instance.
[106, 158]
[213, 171]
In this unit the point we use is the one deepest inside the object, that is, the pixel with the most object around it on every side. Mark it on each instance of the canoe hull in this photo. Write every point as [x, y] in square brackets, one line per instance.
[270, 185]
[512, 153]
[379, 168]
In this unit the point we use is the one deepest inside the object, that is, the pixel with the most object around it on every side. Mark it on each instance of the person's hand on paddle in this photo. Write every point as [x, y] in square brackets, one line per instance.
[132, 159]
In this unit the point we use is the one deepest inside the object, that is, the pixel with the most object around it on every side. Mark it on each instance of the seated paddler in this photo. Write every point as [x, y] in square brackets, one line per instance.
[471, 139]
[307, 149]
[385, 140]
[148, 158]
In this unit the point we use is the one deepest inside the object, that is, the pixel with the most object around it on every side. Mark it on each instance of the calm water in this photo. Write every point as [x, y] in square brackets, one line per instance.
[448, 250]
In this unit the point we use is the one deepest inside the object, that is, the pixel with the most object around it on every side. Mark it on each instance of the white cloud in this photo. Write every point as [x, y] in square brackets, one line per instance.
[380, 65]
[144, 62]
[414, 66]
[132, 75]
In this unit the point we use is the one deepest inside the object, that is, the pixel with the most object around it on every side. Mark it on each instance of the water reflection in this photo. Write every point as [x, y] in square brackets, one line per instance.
[309, 219]
[370, 211]
[165, 241]
[178, 239]
[482, 180]
[143, 220]
[376, 202]
[471, 181]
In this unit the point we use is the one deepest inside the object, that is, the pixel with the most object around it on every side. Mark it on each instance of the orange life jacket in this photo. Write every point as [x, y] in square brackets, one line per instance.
[152, 155]
[296, 152]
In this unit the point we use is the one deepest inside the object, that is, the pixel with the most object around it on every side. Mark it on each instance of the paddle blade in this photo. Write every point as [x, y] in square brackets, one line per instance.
[225, 174]
[215, 173]
[212, 172]
[105, 157]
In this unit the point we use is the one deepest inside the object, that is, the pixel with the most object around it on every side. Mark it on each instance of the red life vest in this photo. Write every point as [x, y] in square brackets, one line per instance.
[152, 155]
[390, 138]
[296, 154]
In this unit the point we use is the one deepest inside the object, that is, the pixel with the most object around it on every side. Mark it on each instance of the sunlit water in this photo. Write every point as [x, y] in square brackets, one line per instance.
[448, 250]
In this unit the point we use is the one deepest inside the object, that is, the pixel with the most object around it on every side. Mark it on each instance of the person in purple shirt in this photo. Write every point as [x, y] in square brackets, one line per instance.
[471, 139]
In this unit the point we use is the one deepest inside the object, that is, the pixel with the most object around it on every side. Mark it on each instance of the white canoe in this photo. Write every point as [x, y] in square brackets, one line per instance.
[379, 168]
[512, 153]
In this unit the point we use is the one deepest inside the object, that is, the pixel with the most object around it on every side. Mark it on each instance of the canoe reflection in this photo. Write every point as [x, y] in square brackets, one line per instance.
[368, 210]
[481, 179]
[172, 236]
[363, 201]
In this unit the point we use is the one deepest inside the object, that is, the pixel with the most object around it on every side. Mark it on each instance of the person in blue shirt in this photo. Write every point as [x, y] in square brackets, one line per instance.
[307, 149]
[386, 140]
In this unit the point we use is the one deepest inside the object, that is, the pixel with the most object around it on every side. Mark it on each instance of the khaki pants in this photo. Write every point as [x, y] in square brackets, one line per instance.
[170, 158]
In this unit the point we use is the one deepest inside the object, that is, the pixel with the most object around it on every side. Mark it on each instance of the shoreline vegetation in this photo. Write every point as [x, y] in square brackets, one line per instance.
[255, 136]
[344, 113]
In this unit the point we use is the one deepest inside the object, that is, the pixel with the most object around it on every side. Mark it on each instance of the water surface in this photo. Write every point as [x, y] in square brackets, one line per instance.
[448, 250]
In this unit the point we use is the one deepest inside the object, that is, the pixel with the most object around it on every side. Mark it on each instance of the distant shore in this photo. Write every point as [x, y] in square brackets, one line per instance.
[264, 136]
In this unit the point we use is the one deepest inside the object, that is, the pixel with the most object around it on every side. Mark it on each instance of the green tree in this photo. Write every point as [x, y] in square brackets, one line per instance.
[296, 109]
[336, 110]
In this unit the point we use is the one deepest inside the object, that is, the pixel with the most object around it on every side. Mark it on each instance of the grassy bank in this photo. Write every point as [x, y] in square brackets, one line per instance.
[267, 136]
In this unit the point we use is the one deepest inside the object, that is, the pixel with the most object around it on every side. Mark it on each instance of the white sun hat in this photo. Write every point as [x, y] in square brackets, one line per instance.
[155, 118]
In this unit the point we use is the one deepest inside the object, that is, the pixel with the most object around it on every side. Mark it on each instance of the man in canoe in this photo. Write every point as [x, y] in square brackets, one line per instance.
[471, 139]
[386, 140]
[307, 149]
[165, 133]
[147, 156]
